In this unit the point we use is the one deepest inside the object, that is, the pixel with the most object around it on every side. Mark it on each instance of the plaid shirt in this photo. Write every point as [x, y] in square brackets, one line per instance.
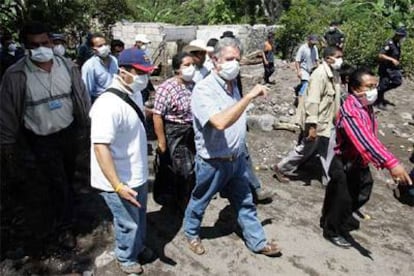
[173, 101]
[356, 129]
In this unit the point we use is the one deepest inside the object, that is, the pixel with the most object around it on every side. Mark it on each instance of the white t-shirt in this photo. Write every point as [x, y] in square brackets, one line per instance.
[116, 123]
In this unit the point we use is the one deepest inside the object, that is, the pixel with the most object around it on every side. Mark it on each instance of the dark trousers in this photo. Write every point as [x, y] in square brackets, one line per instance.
[55, 157]
[390, 78]
[268, 71]
[348, 190]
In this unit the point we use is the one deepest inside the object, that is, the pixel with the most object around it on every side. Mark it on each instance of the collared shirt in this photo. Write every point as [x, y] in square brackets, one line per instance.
[97, 76]
[308, 59]
[173, 101]
[115, 122]
[322, 99]
[357, 135]
[48, 103]
[210, 97]
[200, 73]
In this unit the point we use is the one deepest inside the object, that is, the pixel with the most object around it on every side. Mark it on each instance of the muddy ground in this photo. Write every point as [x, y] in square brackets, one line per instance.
[384, 244]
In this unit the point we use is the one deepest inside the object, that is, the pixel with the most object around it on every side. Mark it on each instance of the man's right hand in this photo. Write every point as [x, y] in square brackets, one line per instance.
[258, 90]
[400, 175]
[129, 194]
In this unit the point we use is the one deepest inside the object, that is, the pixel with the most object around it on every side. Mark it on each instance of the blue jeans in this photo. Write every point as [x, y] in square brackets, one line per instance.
[231, 177]
[130, 224]
[303, 86]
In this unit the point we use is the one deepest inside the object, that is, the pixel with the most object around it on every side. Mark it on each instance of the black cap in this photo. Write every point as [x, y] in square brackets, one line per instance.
[227, 34]
[401, 31]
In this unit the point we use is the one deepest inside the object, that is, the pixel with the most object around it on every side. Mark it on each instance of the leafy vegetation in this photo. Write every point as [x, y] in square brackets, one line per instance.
[366, 23]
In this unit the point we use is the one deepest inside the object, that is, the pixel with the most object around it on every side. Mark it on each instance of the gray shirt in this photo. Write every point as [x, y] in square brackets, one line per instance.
[308, 59]
[48, 102]
[209, 98]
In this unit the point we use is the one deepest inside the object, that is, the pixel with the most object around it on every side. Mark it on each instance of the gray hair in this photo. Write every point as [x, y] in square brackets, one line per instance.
[227, 42]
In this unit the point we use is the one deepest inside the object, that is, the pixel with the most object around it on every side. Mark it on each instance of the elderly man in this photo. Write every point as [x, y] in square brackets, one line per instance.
[198, 49]
[220, 137]
[98, 71]
[119, 164]
[43, 101]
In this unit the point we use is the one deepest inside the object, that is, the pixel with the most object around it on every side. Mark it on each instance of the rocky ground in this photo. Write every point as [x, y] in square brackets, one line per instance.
[384, 244]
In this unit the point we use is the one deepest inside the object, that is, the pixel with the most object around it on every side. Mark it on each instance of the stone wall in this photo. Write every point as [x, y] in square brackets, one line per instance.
[173, 38]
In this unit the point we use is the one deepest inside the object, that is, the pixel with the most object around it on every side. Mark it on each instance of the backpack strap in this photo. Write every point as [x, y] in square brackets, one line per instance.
[129, 101]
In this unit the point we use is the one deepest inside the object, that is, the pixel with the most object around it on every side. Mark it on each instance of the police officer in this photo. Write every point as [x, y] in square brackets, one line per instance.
[334, 37]
[389, 67]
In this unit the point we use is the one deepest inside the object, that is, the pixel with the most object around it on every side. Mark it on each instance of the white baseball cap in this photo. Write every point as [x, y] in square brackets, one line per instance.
[143, 38]
[198, 45]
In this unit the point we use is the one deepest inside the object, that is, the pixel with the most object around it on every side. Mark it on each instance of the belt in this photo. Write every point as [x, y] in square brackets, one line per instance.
[230, 158]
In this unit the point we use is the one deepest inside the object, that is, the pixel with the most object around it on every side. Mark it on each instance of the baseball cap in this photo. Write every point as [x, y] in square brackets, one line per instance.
[401, 31]
[313, 38]
[197, 45]
[143, 38]
[58, 37]
[228, 34]
[135, 58]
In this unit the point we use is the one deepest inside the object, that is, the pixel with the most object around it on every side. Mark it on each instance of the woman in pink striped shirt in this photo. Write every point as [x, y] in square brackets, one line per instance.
[357, 146]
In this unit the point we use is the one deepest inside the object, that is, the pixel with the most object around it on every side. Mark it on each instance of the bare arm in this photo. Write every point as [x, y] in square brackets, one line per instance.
[159, 132]
[384, 57]
[297, 66]
[229, 116]
[106, 163]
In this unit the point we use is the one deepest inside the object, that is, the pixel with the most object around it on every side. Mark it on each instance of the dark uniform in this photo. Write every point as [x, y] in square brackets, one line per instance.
[390, 74]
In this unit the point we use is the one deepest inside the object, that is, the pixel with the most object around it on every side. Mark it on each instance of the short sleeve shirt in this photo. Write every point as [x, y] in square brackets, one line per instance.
[173, 101]
[391, 49]
[307, 57]
[209, 98]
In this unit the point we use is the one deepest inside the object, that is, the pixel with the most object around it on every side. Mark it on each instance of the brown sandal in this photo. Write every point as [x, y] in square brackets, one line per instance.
[196, 246]
[271, 249]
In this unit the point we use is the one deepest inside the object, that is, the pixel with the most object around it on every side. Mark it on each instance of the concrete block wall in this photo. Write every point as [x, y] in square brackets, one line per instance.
[174, 37]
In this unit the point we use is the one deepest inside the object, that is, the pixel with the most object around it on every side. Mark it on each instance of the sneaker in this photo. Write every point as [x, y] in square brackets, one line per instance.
[131, 269]
[382, 107]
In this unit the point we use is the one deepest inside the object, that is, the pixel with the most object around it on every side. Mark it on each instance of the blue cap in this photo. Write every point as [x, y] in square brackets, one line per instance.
[135, 58]
[401, 31]
[58, 37]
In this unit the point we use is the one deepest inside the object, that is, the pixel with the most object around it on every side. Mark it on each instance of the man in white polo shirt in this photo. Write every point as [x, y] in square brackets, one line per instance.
[119, 164]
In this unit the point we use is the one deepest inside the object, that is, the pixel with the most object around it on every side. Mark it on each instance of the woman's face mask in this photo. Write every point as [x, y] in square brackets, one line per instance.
[370, 97]
[187, 73]
[59, 50]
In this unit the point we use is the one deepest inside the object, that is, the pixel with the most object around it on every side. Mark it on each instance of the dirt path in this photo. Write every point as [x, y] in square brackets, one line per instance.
[385, 244]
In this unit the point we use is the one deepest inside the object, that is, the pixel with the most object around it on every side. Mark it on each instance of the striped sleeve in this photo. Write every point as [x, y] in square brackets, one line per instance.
[363, 138]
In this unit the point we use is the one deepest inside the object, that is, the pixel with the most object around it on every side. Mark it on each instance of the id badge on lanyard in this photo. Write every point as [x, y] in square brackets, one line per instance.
[55, 104]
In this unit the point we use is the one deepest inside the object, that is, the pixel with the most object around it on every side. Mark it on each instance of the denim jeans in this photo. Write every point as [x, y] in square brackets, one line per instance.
[303, 86]
[130, 224]
[230, 177]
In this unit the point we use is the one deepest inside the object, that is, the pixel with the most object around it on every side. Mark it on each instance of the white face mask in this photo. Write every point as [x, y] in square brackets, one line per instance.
[12, 47]
[103, 51]
[188, 73]
[41, 54]
[138, 83]
[370, 97]
[59, 50]
[229, 70]
[337, 64]
[144, 47]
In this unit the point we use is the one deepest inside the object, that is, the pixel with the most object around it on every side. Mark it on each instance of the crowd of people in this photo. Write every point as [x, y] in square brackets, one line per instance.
[49, 103]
